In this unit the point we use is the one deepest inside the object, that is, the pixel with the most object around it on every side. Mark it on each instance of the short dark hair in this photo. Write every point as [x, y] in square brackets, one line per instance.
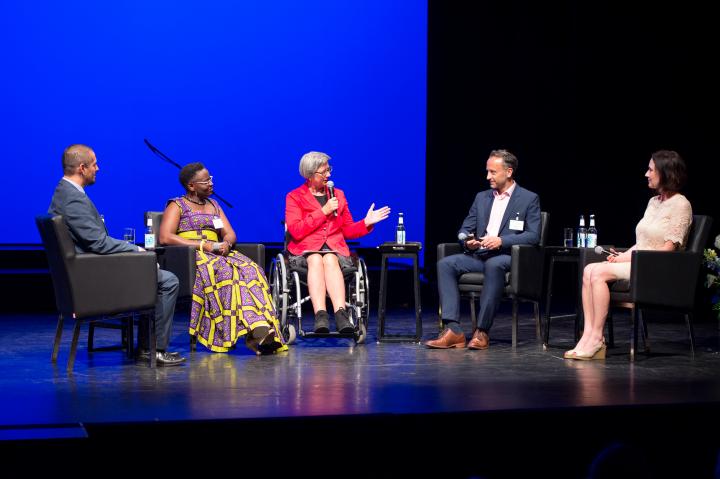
[74, 156]
[188, 173]
[671, 167]
[508, 158]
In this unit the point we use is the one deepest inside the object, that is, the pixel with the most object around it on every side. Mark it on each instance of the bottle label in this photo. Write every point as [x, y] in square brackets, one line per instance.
[581, 240]
[591, 240]
[149, 241]
[400, 237]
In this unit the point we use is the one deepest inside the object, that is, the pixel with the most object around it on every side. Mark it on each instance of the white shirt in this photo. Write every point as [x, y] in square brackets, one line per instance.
[79, 188]
[500, 204]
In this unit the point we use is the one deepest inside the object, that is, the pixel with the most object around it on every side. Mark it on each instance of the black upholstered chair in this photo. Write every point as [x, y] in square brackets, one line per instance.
[660, 280]
[181, 261]
[91, 287]
[522, 284]
[663, 280]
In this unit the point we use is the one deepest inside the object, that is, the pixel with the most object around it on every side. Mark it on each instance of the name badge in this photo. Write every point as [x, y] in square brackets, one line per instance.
[517, 225]
[217, 223]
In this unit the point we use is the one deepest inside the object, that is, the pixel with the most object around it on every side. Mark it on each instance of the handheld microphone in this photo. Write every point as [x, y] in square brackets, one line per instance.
[601, 250]
[462, 236]
[331, 192]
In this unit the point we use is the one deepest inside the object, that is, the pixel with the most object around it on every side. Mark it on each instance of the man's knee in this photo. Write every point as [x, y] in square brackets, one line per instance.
[447, 264]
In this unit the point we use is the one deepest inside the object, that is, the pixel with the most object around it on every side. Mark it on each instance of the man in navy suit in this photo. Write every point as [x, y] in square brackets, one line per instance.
[500, 217]
[90, 236]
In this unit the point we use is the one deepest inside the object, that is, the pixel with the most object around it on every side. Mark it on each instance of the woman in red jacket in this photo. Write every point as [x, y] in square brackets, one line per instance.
[318, 223]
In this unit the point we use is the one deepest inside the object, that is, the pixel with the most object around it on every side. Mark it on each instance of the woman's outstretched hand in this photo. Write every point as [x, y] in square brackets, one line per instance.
[375, 216]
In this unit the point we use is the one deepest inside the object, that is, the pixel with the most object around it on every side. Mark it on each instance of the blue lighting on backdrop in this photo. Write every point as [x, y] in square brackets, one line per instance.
[245, 87]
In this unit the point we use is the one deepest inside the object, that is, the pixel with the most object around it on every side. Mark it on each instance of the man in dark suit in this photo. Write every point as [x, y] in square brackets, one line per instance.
[87, 230]
[500, 217]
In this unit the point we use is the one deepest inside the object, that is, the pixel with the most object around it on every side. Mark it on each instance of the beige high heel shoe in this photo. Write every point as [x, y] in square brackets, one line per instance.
[596, 353]
[570, 354]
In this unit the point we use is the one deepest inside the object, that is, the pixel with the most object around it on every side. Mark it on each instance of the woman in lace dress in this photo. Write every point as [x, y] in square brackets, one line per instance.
[664, 227]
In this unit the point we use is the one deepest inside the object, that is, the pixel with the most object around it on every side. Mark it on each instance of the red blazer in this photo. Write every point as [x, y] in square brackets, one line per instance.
[309, 228]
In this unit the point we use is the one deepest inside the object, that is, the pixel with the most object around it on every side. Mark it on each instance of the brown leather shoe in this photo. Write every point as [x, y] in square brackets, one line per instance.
[480, 340]
[447, 339]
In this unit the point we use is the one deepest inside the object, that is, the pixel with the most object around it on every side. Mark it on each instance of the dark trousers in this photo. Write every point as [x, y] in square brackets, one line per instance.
[449, 270]
[164, 311]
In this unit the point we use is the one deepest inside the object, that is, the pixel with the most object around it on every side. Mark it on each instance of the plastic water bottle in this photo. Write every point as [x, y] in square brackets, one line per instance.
[400, 230]
[149, 236]
[591, 240]
[581, 233]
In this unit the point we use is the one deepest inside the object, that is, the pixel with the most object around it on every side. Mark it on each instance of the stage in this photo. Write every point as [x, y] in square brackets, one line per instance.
[369, 409]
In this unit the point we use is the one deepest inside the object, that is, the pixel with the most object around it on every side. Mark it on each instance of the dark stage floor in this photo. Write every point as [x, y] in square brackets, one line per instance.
[484, 407]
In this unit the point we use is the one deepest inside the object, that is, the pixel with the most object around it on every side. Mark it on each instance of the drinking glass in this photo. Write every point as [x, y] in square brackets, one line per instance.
[129, 235]
[568, 234]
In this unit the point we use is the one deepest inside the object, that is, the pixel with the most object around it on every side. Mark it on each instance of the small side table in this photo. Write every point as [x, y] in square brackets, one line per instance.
[562, 254]
[395, 250]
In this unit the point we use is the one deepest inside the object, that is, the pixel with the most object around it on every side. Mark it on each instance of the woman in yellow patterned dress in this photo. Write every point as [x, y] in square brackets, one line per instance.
[231, 297]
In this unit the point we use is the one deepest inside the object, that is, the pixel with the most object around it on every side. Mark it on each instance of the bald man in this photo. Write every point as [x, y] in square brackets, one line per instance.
[88, 232]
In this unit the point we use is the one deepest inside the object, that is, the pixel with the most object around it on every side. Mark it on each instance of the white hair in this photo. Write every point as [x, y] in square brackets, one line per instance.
[311, 161]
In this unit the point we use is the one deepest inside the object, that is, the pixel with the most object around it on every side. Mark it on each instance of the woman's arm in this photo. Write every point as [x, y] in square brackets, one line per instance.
[623, 257]
[227, 234]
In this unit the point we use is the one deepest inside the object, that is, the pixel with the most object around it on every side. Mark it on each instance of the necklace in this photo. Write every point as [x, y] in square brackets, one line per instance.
[195, 202]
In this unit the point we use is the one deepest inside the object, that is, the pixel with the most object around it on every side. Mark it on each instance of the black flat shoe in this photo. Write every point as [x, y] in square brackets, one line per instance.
[322, 322]
[163, 358]
[343, 323]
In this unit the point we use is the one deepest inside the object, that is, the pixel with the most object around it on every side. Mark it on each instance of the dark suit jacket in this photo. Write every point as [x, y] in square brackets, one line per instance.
[83, 220]
[524, 204]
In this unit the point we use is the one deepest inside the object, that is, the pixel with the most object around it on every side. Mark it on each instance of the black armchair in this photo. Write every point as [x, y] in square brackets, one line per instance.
[522, 283]
[181, 261]
[89, 287]
[661, 280]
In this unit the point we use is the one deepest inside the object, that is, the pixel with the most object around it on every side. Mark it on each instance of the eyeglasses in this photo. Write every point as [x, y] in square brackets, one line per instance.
[204, 182]
[325, 172]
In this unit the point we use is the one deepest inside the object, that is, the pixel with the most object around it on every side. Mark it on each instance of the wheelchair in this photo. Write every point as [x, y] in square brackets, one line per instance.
[288, 283]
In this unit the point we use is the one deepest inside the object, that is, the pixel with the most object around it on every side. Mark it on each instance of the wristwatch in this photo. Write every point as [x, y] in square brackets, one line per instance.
[216, 247]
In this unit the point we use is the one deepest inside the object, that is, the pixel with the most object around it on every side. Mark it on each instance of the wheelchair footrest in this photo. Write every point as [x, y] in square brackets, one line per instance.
[334, 334]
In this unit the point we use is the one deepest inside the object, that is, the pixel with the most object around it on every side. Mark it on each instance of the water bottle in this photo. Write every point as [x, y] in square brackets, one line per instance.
[581, 233]
[400, 230]
[149, 236]
[591, 240]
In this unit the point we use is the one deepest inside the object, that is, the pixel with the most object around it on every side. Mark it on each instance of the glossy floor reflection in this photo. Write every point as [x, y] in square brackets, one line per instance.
[337, 377]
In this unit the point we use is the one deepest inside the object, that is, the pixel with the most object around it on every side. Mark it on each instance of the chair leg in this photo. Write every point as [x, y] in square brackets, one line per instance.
[91, 336]
[473, 315]
[152, 340]
[73, 346]
[688, 320]
[610, 329]
[633, 333]
[129, 336]
[193, 342]
[646, 340]
[538, 325]
[58, 335]
[514, 322]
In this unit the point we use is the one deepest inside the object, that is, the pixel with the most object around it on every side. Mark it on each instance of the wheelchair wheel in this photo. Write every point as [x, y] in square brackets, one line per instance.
[279, 284]
[360, 329]
[365, 294]
[289, 333]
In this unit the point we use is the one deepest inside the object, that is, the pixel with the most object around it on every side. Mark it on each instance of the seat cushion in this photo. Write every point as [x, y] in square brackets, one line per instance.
[473, 282]
[620, 286]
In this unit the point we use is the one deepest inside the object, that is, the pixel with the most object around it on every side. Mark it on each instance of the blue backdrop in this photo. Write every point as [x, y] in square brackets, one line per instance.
[244, 87]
